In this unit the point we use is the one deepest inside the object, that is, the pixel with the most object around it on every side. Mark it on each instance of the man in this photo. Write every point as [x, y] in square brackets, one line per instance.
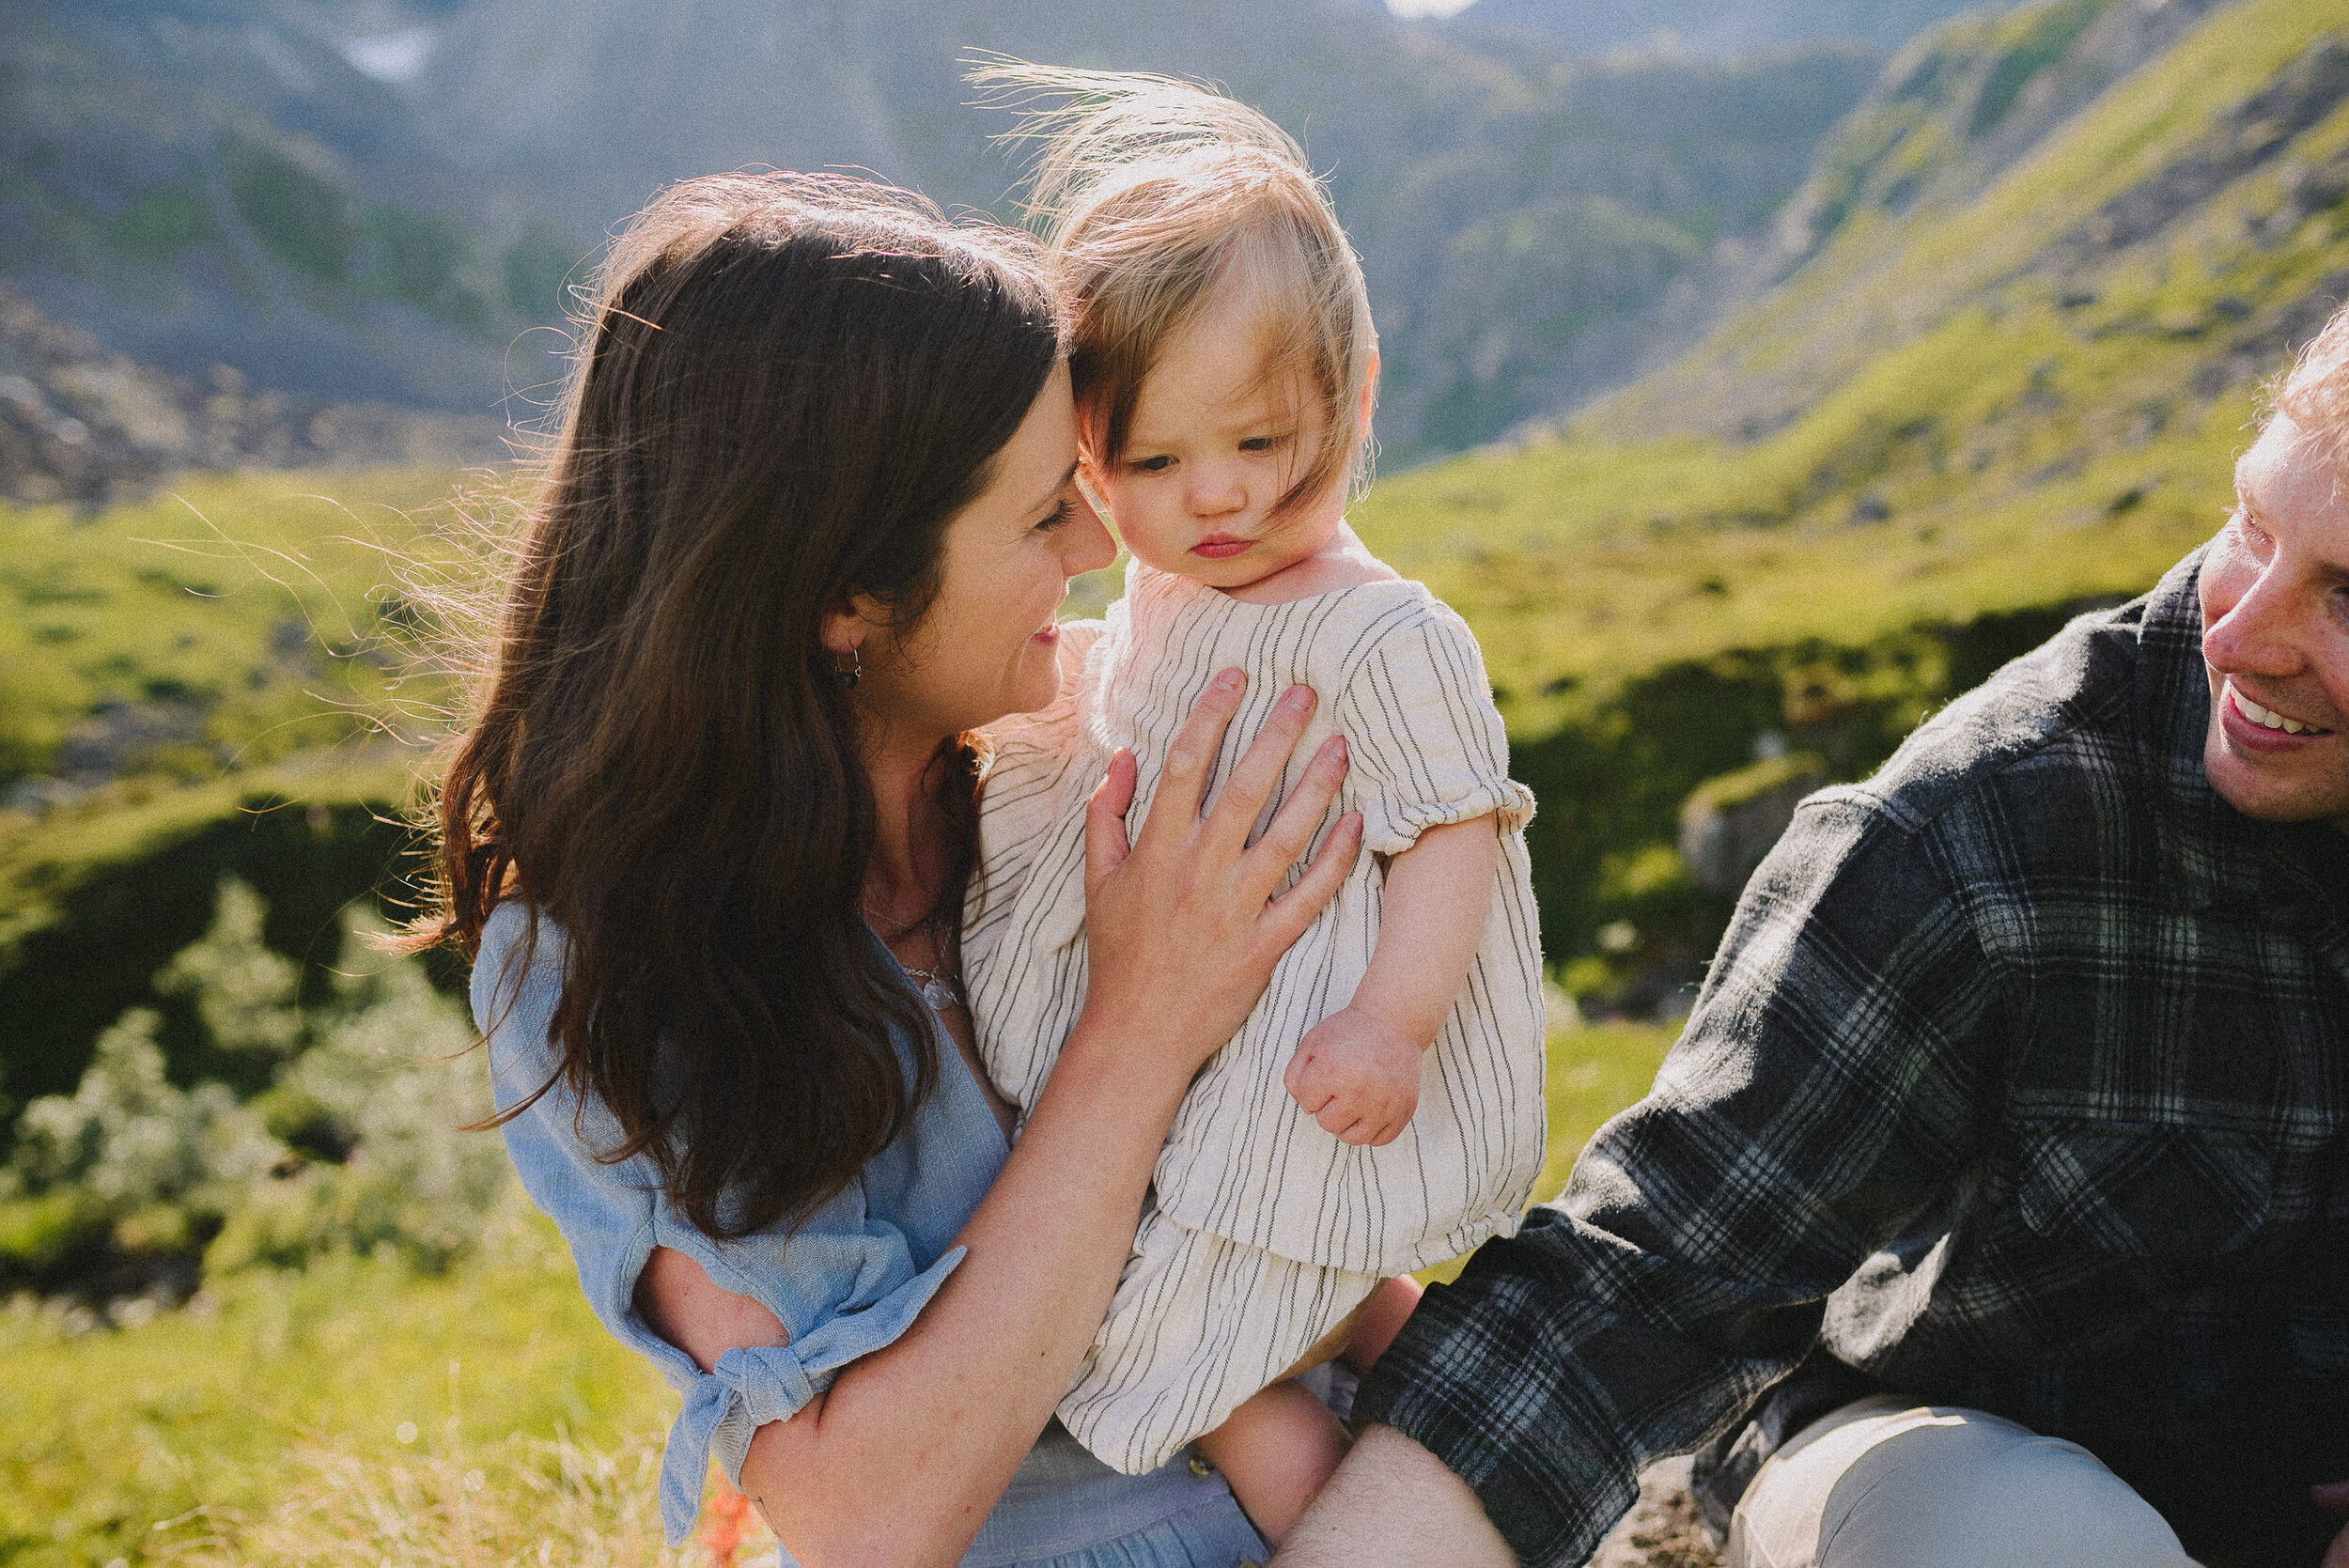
[1993, 1208]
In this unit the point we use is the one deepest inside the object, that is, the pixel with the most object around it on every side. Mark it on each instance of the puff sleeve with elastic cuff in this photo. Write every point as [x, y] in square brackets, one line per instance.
[1425, 745]
[844, 1282]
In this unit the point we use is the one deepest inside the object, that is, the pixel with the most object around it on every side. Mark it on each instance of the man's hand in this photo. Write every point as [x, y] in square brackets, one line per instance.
[2334, 1499]
[1393, 1505]
[1358, 1076]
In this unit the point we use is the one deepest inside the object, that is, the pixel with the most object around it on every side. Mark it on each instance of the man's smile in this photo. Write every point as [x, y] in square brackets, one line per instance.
[2268, 718]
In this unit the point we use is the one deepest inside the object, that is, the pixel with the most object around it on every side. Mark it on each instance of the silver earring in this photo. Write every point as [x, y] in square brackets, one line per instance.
[855, 670]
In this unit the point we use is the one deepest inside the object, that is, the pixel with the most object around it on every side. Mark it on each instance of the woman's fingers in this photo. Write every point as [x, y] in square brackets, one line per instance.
[1183, 781]
[1242, 799]
[1106, 845]
[1292, 827]
[1287, 917]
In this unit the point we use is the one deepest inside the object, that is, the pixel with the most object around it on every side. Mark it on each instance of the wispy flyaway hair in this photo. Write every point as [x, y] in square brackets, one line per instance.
[1154, 195]
[2315, 393]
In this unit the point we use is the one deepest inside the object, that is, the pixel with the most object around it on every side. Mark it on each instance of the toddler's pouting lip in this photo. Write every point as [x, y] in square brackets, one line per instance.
[1217, 547]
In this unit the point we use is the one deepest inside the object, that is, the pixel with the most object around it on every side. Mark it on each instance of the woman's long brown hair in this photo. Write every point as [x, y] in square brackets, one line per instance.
[787, 387]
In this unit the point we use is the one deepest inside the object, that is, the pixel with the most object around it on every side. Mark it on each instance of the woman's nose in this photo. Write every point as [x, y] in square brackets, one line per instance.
[1089, 547]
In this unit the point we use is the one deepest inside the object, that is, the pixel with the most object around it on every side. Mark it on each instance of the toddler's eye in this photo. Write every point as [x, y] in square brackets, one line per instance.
[1263, 444]
[1159, 465]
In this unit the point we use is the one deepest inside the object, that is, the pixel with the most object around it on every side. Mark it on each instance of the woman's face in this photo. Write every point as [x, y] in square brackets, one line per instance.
[989, 644]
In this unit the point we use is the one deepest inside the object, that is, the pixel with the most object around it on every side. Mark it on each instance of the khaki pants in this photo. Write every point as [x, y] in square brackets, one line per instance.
[1883, 1483]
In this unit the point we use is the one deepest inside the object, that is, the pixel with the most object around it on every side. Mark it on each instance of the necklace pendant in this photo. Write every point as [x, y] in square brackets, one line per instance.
[939, 994]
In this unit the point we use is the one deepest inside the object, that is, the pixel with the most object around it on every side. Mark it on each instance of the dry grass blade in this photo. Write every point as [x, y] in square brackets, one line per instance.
[521, 1503]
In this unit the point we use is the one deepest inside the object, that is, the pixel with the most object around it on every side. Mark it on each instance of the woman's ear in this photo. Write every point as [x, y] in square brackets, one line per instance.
[845, 630]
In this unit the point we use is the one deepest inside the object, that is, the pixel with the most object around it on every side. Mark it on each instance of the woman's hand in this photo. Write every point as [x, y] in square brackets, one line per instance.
[1183, 924]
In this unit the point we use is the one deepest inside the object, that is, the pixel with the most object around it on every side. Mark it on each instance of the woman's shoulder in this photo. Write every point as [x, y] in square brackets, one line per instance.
[519, 961]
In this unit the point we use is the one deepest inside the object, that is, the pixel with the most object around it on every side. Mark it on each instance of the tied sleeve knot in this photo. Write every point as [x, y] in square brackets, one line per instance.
[749, 1388]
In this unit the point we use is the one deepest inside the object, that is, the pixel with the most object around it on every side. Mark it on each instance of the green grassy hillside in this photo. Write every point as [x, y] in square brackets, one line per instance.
[1990, 394]
[216, 682]
[226, 624]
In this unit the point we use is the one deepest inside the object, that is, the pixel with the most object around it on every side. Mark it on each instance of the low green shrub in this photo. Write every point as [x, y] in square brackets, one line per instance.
[354, 1147]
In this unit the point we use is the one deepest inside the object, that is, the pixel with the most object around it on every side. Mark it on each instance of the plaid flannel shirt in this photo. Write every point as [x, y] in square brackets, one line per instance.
[2019, 1083]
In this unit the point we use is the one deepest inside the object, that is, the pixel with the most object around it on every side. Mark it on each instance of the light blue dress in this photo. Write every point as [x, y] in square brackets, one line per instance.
[847, 1280]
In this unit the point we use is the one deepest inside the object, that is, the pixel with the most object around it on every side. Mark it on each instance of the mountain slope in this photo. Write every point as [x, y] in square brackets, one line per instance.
[1713, 28]
[2005, 383]
[376, 198]
[2009, 399]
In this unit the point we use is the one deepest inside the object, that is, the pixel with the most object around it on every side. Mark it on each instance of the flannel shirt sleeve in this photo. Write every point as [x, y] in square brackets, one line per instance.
[1822, 1095]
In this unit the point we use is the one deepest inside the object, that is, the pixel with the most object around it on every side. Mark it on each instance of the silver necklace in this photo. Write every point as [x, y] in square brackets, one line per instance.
[937, 988]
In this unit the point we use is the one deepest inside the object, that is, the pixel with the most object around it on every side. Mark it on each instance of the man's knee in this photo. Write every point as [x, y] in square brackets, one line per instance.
[1876, 1484]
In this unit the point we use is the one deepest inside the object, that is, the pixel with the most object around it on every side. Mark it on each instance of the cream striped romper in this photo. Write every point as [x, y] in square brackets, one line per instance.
[1263, 1232]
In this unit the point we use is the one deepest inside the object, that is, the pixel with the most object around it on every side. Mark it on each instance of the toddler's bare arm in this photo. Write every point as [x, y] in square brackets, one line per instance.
[1357, 1071]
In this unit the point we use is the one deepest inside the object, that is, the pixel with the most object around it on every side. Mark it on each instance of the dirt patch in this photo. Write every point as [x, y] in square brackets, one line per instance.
[1662, 1530]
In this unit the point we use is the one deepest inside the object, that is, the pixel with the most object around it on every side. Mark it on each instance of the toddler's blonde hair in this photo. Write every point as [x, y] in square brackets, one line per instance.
[1154, 195]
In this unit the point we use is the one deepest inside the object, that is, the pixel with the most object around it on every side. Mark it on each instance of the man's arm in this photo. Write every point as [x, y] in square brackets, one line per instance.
[1393, 1502]
[1824, 1095]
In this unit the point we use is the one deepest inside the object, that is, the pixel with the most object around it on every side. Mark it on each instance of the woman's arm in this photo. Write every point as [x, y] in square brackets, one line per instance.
[904, 1457]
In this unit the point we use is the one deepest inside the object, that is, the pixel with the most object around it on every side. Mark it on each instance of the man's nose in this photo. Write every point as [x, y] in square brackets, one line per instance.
[2260, 634]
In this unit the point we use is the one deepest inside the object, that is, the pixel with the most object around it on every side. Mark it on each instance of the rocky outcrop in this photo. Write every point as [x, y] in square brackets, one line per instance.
[1730, 822]
[2250, 134]
[86, 427]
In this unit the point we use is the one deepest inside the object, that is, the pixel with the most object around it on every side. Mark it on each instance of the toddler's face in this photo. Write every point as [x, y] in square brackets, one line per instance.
[1213, 448]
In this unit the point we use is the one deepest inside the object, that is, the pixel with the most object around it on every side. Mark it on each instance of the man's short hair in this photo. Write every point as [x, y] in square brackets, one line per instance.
[2315, 392]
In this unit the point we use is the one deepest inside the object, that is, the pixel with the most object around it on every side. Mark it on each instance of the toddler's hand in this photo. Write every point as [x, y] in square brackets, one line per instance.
[1358, 1076]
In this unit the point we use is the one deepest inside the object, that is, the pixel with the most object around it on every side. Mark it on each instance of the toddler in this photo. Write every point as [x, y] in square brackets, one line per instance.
[1381, 1109]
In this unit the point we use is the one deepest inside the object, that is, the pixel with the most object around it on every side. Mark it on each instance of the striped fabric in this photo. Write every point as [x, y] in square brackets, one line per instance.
[1400, 677]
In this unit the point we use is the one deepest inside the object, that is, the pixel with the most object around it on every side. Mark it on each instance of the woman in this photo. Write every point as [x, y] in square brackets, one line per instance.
[804, 530]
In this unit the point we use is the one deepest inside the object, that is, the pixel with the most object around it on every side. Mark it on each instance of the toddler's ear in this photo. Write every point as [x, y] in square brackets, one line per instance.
[1370, 397]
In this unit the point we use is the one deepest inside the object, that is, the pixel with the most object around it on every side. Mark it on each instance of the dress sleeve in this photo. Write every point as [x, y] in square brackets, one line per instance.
[1426, 745]
[843, 1282]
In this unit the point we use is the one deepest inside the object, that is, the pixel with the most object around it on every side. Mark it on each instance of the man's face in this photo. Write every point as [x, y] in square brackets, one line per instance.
[2276, 635]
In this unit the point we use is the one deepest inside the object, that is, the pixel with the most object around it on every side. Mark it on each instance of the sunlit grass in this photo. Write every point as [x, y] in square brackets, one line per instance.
[348, 1413]
[246, 610]
[353, 1414]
